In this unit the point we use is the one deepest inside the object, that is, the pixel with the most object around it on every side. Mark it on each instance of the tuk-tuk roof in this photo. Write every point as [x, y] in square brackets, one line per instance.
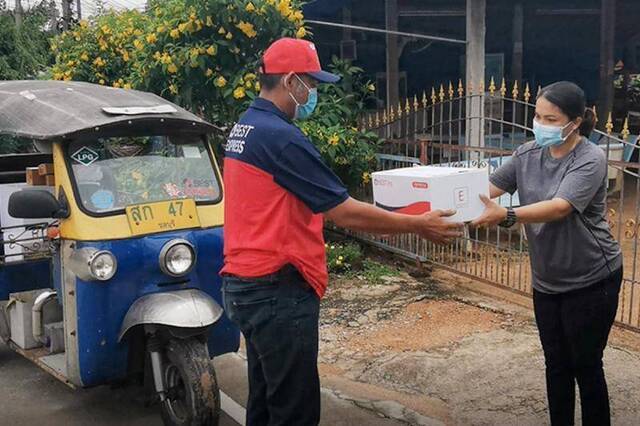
[45, 110]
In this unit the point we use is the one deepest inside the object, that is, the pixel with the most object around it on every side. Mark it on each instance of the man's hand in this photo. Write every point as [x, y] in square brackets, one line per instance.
[493, 213]
[434, 227]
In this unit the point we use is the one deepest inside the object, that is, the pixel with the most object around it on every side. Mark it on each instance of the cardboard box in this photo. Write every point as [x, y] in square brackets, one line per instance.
[416, 190]
[34, 178]
[45, 169]
[50, 180]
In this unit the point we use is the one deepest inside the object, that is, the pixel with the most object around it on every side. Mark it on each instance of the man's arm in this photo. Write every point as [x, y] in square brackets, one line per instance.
[361, 216]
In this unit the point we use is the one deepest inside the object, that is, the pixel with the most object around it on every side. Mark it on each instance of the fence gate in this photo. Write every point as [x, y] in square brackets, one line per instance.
[436, 130]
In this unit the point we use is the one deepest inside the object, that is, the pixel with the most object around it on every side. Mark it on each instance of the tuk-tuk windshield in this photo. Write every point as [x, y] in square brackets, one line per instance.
[112, 173]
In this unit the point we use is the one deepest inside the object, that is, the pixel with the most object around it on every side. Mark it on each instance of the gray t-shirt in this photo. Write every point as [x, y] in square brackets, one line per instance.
[579, 250]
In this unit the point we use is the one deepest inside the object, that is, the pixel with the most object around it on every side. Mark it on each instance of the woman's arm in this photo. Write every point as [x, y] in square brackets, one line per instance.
[495, 192]
[540, 212]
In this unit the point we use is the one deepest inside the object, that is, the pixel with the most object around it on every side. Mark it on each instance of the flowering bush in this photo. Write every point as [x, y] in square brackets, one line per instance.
[200, 54]
[343, 257]
[349, 151]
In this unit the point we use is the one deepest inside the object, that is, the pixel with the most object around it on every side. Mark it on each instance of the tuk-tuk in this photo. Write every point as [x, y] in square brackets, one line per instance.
[109, 265]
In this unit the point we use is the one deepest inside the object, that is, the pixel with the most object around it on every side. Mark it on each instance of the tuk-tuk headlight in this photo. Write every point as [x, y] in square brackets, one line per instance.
[103, 266]
[177, 258]
[90, 264]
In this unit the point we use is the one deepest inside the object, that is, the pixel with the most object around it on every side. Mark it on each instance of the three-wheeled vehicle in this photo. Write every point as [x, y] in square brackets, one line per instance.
[109, 271]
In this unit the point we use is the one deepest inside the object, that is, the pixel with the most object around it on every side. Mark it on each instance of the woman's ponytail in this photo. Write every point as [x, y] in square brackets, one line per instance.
[589, 121]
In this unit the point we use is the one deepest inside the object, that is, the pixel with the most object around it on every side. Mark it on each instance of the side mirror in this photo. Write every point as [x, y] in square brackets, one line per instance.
[37, 204]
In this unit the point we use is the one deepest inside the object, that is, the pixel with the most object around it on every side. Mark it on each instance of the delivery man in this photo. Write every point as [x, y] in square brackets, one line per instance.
[278, 192]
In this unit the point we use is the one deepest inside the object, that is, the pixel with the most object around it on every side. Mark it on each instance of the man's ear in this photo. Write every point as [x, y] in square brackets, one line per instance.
[287, 80]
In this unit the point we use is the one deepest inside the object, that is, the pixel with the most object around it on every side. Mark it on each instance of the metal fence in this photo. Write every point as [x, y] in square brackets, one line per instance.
[437, 130]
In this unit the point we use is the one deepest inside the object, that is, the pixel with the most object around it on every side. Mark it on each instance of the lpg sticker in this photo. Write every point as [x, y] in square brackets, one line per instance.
[461, 197]
[103, 199]
[85, 156]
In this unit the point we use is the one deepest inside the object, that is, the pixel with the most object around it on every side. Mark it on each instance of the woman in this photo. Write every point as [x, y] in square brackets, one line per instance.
[576, 264]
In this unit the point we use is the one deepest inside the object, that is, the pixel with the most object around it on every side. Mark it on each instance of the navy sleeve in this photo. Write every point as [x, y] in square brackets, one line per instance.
[300, 170]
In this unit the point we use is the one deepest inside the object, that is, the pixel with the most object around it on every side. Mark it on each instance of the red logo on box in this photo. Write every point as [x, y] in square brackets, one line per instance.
[420, 185]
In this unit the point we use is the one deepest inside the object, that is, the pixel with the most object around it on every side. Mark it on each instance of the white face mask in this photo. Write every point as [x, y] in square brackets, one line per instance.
[547, 135]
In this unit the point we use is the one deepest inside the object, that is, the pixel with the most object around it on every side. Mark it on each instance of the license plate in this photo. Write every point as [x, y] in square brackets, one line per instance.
[162, 216]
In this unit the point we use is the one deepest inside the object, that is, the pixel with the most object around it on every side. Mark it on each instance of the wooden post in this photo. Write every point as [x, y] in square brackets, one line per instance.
[393, 58]
[518, 48]
[476, 30]
[18, 13]
[607, 44]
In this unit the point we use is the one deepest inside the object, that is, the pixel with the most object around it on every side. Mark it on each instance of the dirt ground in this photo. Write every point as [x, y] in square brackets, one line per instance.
[427, 351]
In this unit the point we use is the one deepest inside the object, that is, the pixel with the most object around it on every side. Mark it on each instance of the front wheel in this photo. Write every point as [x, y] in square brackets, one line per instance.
[192, 394]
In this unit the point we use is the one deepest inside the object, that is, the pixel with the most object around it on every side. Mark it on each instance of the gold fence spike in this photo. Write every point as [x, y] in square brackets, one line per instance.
[377, 119]
[460, 88]
[392, 115]
[503, 88]
[481, 87]
[492, 86]
[625, 129]
[416, 105]
[515, 91]
[399, 109]
[451, 91]
[407, 107]
[370, 121]
[433, 96]
[527, 93]
[384, 117]
[595, 113]
[441, 93]
[609, 125]
[425, 100]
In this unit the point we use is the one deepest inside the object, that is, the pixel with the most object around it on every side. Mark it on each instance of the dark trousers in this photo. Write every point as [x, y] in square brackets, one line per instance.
[574, 328]
[278, 316]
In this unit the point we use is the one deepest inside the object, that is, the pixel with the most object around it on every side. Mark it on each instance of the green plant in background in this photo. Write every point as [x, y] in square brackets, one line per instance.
[343, 257]
[349, 151]
[373, 271]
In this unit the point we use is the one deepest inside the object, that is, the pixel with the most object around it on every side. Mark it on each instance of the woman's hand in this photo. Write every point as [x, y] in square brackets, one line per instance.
[493, 213]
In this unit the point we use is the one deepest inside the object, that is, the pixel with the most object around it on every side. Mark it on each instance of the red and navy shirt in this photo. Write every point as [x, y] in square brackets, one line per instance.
[276, 189]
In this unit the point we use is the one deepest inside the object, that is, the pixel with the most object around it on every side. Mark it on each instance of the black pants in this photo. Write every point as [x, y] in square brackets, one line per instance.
[574, 328]
[278, 316]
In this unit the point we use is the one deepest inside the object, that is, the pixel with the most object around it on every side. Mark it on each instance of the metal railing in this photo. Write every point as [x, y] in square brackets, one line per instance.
[24, 242]
[437, 130]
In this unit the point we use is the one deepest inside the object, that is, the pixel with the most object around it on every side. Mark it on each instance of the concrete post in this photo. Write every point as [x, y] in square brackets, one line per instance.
[476, 30]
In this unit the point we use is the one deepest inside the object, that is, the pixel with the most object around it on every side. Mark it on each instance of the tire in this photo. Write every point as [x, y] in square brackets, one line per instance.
[193, 396]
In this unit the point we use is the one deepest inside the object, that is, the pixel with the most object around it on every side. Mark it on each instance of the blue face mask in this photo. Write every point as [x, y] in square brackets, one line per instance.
[303, 111]
[549, 135]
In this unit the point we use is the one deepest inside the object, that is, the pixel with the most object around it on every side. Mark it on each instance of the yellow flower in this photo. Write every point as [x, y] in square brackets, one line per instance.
[182, 27]
[333, 247]
[340, 258]
[212, 50]
[248, 85]
[298, 15]
[209, 72]
[257, 86]
[334, 139]
[284, 7]
[125, 56]
[101, 82]
[239, 93]
[220, 81]
[301, 33]
[116, 85]
[338, 262]
[209, 21]
[127, 86]
[99, 62]
[84, 24]
[161, 29]
[222, 31]
[371, 87]
[173, 89]
[250, 7]
[172, 69]
[138, 33]
[84, 56]
[229, 36]
[174, 33]
[105, 29]
[249, 77]
[151, 38]
[366, 177]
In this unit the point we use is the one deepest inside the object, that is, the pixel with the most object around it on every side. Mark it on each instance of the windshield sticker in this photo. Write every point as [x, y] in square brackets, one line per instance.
[103, 199]
[85, 156]
[191, 152]
[173, 190]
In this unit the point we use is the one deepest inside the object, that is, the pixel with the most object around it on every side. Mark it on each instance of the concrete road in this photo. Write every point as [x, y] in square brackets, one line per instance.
[29, 396]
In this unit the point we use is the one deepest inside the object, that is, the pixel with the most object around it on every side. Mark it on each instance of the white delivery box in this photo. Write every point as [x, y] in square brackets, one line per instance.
[416, 190]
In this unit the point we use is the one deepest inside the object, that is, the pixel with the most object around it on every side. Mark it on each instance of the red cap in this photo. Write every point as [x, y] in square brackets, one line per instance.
[295, 55]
